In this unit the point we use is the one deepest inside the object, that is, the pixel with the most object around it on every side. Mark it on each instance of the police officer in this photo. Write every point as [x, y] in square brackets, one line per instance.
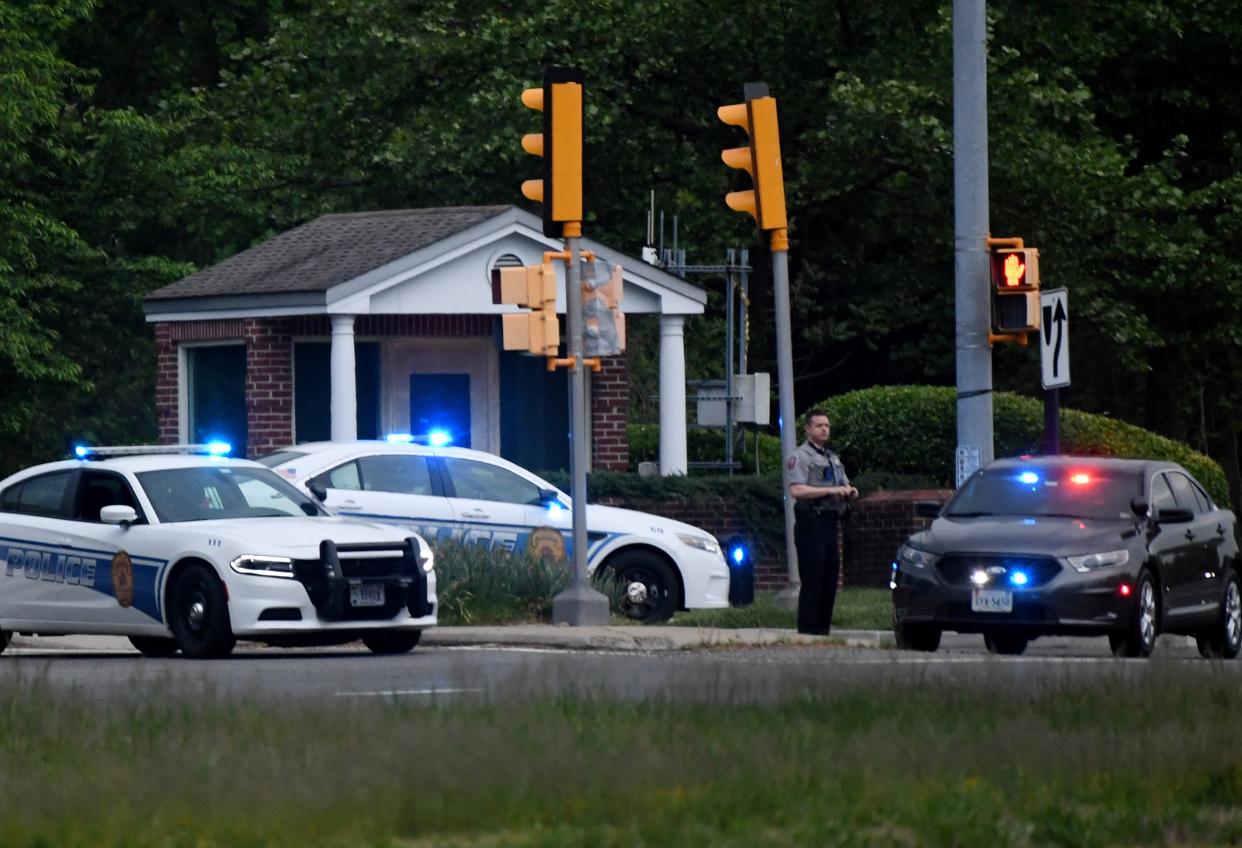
[820, 489]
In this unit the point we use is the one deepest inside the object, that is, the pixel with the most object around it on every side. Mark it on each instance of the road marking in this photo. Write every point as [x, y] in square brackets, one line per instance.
[396, 693]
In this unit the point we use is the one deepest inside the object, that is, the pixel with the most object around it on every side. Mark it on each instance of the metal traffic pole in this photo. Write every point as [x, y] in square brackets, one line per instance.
[580, 604]
[787, 598]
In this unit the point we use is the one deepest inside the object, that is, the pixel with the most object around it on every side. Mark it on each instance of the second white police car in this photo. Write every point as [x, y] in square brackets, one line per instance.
[661, 565]
[193, 552]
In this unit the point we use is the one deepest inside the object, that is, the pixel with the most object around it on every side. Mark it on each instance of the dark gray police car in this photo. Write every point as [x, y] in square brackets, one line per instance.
[1072, 546]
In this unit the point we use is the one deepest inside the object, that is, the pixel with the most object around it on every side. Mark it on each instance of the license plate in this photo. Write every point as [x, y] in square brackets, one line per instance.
[366, 595]
[991, 600]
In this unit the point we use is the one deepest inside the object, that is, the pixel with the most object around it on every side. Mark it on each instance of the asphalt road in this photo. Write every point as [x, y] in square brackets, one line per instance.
[715, 674]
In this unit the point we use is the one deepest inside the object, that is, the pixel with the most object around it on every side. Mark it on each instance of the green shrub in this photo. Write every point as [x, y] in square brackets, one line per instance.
[477, 585]
[706, 446]
[913, 430]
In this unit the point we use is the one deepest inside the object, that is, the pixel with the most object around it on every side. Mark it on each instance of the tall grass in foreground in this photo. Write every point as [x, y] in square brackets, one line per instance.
[1147, 756]
[855, 609]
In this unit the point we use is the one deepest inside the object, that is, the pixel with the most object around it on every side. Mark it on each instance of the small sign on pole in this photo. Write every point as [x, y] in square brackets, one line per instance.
[1054, 338]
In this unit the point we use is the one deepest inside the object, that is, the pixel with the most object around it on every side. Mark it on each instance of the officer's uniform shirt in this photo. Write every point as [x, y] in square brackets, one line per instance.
[814, 467]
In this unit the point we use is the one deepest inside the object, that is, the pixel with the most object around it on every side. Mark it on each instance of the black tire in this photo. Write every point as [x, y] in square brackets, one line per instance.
[1005, 643]
[154, 646]
[916, 637]
[198, 614]
[1139, 637]
[643, 586]
[1223, 640]
[392, 641]
[5, 636]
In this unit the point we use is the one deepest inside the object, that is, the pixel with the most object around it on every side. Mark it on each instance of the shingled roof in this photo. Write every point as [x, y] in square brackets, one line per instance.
[327, 251]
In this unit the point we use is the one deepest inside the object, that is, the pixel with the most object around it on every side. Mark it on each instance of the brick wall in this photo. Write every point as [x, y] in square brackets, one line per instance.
[610, 408]
[269, 384]
[872, 531]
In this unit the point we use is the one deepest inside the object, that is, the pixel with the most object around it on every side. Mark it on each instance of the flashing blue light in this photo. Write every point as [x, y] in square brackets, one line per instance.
[219, 447]
[555, 509]
[1018, 578]
[81, 451]
[399, 438]
[439, 438]
[1028, 477]
[738, 554]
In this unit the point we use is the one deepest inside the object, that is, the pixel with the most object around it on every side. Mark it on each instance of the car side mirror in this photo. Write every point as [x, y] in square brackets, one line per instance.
[1138, 506]
[547, 496]
[318, 490]
[1174, 515]
[928, 509]
[118, 514]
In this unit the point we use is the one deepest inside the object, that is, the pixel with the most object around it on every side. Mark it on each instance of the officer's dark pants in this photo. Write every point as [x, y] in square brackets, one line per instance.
[815, 537]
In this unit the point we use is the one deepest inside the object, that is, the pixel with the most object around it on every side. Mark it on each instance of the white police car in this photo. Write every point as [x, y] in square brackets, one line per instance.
[191, 553]
[455, 493]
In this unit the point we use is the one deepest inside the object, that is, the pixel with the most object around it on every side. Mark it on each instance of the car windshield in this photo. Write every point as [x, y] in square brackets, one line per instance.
[206, 492]
[1083, 492]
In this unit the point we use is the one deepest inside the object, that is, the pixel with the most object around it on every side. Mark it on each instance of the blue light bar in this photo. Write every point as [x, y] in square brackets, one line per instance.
[399, 438]
[218, 447]
[439, 438]
[81, 451]
[1028, 477]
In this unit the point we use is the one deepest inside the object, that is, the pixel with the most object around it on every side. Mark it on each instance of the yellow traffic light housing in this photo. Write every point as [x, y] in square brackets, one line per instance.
[533, 286]
[603, 321]
[561, 147]
[1015, 286]
[761, 158]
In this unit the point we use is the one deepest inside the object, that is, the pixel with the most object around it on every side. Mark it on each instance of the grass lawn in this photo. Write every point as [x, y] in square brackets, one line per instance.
[856, 609]
[1140, 754]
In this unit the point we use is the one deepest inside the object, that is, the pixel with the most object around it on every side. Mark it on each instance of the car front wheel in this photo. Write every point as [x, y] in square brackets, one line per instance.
[1223, 639]
[154, 646]
[916, 637]
[392, 641]
[1139, 637]
[198, 614]
[999, 643]
[643, 587]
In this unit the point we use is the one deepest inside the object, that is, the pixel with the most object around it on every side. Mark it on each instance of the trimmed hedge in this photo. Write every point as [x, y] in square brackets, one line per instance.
[890, 435]
[913, 430]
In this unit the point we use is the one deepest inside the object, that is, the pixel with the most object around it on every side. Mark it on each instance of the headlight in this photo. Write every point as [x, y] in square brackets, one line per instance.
[703, 543]
[1090, 562]
[263, 566]
[426, 556]
[909, 557]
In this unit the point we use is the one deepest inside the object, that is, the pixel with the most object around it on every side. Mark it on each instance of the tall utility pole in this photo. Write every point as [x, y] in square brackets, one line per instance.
[972, 297]
[766, 204]
[561, 192]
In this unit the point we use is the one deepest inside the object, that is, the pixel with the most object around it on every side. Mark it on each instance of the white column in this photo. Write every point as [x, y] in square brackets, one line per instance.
[672, 395]
[344, 390]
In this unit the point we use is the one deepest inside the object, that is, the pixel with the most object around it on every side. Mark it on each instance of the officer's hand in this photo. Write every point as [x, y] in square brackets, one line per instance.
[852, 493]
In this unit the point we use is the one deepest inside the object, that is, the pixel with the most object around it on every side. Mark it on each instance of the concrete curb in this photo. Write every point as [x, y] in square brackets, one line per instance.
[606, 638]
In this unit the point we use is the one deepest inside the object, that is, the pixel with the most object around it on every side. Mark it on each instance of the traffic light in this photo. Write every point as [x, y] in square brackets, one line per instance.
[603, 322]
[1015, 290]
[533, 286]
[561, 146]
[761, 159]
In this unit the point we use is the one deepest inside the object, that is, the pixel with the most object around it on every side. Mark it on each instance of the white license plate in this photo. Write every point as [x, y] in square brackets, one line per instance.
[991, 600]
[366, 595]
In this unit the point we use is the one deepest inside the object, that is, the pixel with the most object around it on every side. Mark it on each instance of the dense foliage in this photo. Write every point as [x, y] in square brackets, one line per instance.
[142, 140]
[912, 430]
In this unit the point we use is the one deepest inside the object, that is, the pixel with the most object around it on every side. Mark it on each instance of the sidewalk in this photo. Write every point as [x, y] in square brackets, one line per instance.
[629, 638]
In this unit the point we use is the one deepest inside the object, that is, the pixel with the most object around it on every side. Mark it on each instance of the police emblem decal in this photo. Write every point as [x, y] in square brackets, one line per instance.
[546, 543]
[123, 579]
[793, 461]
